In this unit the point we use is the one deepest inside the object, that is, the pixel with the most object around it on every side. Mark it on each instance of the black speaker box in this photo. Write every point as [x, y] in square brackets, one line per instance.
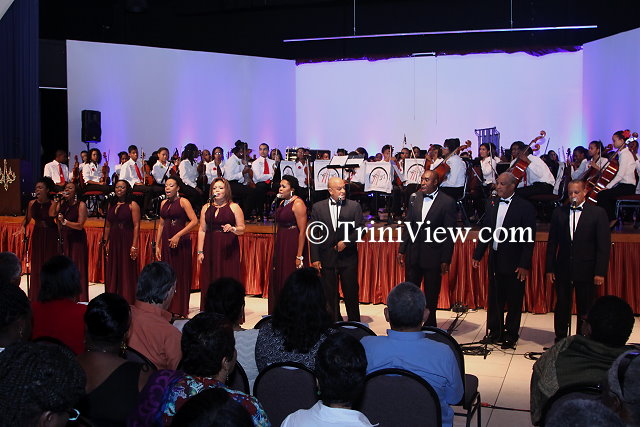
[91, 130]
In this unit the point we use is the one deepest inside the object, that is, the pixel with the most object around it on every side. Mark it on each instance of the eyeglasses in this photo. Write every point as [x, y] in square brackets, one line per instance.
[624, 367]
[74, 414]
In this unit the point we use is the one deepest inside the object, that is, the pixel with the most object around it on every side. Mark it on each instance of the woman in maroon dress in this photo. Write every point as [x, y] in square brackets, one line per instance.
[290, 247]
[221, 222]
[72, 214]
[123, 231]
[177, 218]
[44, 237]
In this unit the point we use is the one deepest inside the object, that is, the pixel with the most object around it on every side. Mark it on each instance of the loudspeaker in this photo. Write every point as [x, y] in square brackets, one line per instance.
[91, 130]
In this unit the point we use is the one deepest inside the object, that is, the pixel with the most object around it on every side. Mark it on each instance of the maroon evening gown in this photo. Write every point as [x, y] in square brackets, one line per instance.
[285, 251]
[44, 243]
[179, 258]
[75, 247]
[221, 250]
[121, 272]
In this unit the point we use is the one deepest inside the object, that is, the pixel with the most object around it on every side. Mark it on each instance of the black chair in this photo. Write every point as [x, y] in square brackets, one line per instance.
[577, 391]
[395, 397]
[283, 388]
[262, 321]
[133, 355]
[471, 398]
[355, 329]
[238, 379]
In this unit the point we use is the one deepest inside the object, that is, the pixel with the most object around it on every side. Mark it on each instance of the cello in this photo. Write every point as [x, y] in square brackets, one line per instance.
[519, 168]
[443, 168]
[602, 177]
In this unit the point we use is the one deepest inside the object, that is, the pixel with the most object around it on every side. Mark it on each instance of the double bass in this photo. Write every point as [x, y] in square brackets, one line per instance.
[443, 168]
[519, 168]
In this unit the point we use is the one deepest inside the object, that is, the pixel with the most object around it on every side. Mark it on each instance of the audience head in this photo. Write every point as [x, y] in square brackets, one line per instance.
[10, 269]
[609, 321]
[301, 312]
[156, 284]
[212, 408]
[506, 185]
[226, 297]
[406, 307]
[59, 279]
[341, 367]
[208, 346]
[107, 322]
[15, 315]
[622, 388]
[44, 381]
[581, 413]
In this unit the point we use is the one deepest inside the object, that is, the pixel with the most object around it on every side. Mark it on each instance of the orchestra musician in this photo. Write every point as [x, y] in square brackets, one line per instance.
[123, 156]
[263, 172]
[58, 170]
[215, 168]
[302, 173]
[597, 154]
[394, 203]
[236, 171]
[188, 171]
[132, 172]
[92, 173]
[160, 171]
[538, 178]
[580, 162]
[453, 184]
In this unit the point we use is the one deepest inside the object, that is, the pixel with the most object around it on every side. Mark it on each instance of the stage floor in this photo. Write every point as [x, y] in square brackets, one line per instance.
[504, 376]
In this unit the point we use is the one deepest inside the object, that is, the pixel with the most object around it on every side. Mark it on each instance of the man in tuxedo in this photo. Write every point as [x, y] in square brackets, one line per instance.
[577, 256]
[334, 257]
[426, 258]
[509, 260]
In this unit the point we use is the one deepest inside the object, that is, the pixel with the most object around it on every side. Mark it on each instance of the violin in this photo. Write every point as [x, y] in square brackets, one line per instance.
[248, 177]
[175, 159]
[105, 169]
[147, 178]
[77, 178]
[519, 168]
[443, 168]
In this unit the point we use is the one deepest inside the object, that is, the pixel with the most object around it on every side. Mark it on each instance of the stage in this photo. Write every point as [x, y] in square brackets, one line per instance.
[378, 269]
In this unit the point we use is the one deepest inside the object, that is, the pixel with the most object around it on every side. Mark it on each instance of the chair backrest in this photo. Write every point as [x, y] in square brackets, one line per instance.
[355, 329]
[262, 321]
[577, 391]
[238, 379]
[395, 397]
[443, 337]
[283, 388]
[133, 355]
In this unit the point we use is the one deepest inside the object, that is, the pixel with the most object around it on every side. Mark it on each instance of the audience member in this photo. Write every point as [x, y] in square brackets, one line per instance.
[406, 347]
[208, 359]
[341, 367]
[151, 333]
[583, 413]
[299, 325]
[10, 268]
[226, 297]
[15, 316]
[582, 360]
[57, 314]
[622, 388]
[212, 408]
[113, 383]
[39, 385]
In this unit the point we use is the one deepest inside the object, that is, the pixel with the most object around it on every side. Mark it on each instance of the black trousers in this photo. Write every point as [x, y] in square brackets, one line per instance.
[260, 197]
[432, 279]
[505, 289]
[455, 192]
[194, 196]
[242, 195]
[585, 295]
[96, 187]
[607, 198]
[348, 276]
[534, 189]
[147, 194]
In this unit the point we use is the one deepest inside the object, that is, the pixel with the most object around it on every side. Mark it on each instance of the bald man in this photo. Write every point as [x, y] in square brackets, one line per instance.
[334, 257]
[509, 261]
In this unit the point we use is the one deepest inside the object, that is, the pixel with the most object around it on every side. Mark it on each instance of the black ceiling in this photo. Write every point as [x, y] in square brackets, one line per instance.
[257, 27]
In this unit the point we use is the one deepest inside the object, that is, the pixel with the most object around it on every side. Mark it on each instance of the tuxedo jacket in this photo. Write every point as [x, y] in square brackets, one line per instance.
[428, 255]
[588, 254]
[326, 252]
[510, 255]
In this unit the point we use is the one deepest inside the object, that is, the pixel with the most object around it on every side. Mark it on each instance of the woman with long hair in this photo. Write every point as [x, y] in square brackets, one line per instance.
[122, 232]
[94, 179]
[71, 215]
[177, 218]
[221, 222]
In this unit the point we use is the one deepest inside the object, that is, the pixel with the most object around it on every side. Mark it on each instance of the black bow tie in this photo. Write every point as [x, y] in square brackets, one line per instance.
[576, 208]
[431, 196]
[336, 203]
[505, 201]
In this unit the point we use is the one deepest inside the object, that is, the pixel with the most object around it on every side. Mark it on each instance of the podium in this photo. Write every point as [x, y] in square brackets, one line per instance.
[10, 186]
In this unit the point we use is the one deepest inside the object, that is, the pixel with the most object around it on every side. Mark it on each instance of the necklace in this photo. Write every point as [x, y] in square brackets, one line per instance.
[286, 202]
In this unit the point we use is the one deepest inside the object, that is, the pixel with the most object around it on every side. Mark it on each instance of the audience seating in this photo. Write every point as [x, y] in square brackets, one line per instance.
[471, 398]
[283, 388]
[238, 379]
[262, 321]
[355, 329]
[133, 355]
[580, 391]
[395, 397]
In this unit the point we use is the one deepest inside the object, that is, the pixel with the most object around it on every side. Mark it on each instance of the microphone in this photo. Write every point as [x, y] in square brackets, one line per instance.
[494, 194]
[574, 202]
[412, 199]
[33, 195]
[111, 195]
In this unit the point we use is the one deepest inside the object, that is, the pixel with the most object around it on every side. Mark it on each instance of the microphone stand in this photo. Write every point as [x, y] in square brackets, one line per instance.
[103, 242]
[60, 237]
[25, 256]
[156, 215]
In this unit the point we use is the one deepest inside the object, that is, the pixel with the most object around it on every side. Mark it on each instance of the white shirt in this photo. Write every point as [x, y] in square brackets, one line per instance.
[577, 173]
[502, 212]
[574, 218]
[233, 168]
[258, 169]
[299, 173]
[638, 172]
[537, 171]
[211, 170]
[488, 166]
[320, 415]
[117, 170]
[626, 170]
[334, 210]
[161, 172]
[427, 201]
[52, 170]
[458, 173]
[128, 172]
[188, 172]
[91, 172]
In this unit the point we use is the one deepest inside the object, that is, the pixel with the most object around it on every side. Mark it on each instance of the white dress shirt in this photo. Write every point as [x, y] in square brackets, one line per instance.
[117, 170]
[188, 172]
[161, 172]
[626, 169]
[233, 168]
[212, 170]
[574, 218]
[577, 173]
[334, 210]
[258, 169]
[458, 173]
[489, 173]
[427, 202]
[52, 170]
[129, 174]
[502, 212]
[320, 415]
[91, 172]
[537, 171]
[299, 173]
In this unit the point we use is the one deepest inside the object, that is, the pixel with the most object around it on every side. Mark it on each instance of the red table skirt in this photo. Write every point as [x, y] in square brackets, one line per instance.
[379, 271]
